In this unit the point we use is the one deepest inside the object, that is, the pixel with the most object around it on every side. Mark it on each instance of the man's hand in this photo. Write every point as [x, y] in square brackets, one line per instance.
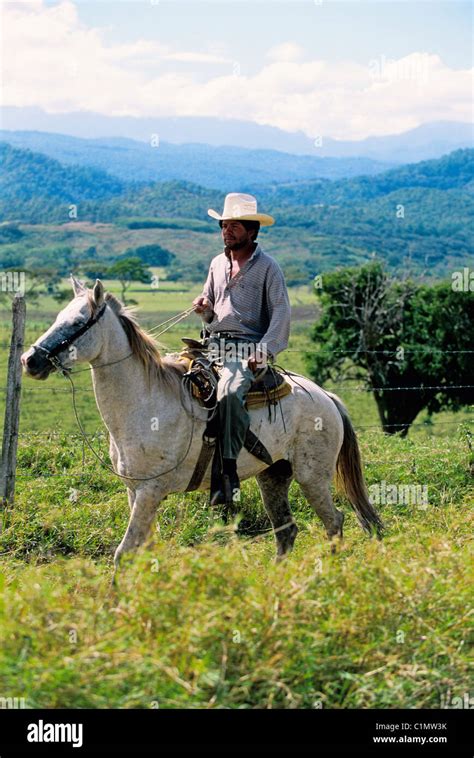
[257, 362]
[202, 305]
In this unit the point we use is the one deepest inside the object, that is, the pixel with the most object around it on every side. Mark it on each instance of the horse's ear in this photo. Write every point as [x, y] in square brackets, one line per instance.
[98, 293]
[77, 286]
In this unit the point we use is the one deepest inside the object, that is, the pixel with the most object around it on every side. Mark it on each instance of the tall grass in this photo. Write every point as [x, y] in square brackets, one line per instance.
[203, 617]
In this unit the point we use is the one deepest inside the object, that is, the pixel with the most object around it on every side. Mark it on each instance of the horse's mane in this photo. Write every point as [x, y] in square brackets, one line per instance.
[167, 371]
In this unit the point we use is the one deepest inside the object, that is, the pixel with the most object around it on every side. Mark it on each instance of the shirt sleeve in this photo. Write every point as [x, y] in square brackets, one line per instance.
[208, 292]
[276, 337]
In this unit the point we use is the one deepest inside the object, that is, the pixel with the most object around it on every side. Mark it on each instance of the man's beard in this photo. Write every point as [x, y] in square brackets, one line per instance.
[237, 246]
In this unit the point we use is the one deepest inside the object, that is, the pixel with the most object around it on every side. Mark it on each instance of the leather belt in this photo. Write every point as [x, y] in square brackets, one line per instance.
[229, 336]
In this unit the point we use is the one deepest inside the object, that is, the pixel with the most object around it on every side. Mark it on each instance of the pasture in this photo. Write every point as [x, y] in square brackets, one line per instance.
[205, 618]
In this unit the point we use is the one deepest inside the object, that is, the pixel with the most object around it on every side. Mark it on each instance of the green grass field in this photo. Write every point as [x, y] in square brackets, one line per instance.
[205, 618]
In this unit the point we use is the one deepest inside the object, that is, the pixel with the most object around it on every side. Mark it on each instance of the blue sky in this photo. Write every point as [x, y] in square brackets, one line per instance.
[346, 70]
[333, 30]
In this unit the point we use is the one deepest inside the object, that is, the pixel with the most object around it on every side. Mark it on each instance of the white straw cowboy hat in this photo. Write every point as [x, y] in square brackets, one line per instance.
[240, 207]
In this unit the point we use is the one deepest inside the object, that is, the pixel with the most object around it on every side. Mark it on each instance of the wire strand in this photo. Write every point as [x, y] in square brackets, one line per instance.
[110, 468]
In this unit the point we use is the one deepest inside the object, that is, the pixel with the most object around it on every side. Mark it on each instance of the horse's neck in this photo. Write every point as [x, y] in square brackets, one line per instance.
[121, 387]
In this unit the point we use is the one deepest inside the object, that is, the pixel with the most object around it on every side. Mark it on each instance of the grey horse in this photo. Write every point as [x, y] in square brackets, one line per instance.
[155, 443]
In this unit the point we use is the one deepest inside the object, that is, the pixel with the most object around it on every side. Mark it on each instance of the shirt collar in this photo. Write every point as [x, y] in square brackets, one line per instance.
[255, 253]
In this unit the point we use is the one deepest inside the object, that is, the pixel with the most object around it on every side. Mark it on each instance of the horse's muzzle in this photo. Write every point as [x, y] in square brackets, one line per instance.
[36, 364]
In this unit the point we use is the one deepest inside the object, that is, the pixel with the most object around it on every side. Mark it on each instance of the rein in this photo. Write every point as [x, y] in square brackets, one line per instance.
[174, 319]
[104, 463]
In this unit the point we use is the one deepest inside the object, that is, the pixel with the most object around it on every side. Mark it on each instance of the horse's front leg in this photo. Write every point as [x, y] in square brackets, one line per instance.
[143, 509]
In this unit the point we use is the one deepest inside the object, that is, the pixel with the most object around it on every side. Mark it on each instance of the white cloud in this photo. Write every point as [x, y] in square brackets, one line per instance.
[196, 58]
[53, 61]
[287, 51]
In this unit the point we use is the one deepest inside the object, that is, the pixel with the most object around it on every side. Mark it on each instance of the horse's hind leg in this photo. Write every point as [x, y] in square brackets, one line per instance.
[274, 483]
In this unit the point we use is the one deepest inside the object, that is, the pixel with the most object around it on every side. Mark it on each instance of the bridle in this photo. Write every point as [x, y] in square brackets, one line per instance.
[52, 355]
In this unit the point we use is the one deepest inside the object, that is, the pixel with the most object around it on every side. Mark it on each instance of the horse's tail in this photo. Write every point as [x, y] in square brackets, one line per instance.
[350, 478]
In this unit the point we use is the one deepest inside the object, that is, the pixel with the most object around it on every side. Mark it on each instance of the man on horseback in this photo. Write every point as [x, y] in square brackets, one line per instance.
[246, 311]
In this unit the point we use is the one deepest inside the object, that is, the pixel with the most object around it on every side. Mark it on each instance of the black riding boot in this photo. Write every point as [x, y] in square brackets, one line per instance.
[228, 490]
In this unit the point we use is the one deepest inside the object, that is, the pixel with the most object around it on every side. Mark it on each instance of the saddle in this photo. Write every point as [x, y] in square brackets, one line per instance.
[203, 375]
[269, 385]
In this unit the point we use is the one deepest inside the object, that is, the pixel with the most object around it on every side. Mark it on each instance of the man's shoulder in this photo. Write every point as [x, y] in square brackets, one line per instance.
[269, 259]
[269, 262]
[218, 260]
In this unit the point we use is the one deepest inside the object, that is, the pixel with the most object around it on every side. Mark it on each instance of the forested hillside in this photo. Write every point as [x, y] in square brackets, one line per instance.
[26, 175]
[453, 171]
[417, 217]
[210, 166]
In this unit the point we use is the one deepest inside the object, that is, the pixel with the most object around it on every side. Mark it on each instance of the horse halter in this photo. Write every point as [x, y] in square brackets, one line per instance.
[51, 355]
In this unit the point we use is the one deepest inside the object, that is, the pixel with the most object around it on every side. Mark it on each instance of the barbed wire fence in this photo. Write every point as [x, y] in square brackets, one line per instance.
[102, 436]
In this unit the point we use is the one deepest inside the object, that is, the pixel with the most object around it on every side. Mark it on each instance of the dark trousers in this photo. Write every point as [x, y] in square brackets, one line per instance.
[232, 389]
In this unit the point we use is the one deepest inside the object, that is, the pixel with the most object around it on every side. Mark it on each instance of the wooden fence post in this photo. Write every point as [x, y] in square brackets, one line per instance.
[12, 405]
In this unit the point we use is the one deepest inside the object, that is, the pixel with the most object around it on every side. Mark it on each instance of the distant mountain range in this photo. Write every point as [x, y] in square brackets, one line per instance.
[28, 175]
[430, 140]
[225, 168]
[451, 172]
[321, 223]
